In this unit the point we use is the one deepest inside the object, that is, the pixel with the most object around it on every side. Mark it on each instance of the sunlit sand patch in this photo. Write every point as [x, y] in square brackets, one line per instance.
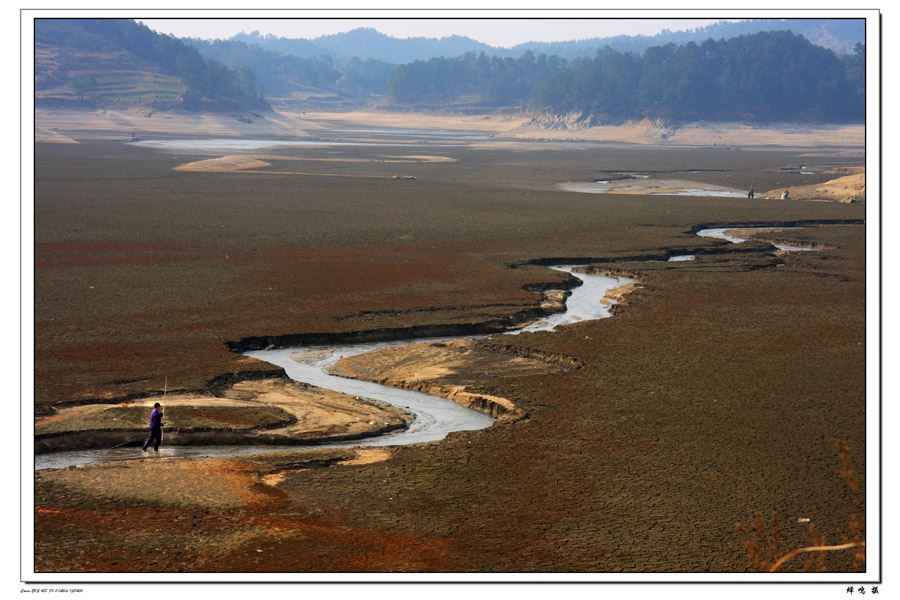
[451, 369]
[224, 164]
[362, 456]
[247, 163]
[119, 124]
[274, 479]
[318, 410]
[851, 187]
[367, 456]
[619, 293]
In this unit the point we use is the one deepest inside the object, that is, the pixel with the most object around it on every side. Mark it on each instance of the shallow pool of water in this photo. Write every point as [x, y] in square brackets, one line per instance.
[244, 145]
[612, 186]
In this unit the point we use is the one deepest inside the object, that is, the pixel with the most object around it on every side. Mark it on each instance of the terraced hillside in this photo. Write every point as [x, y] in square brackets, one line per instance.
[115, 63]
[74, 65]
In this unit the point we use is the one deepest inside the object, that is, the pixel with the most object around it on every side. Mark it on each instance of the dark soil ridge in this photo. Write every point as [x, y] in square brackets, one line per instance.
[496, 325]
[220, 383]
[524, 352]
[43, 410]
[667, 253]
[656, 256]
[762, 238]
[373, 313]
[756, 224]
[98, 439]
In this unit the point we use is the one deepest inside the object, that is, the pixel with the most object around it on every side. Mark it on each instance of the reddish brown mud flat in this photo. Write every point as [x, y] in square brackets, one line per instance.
[715, 392]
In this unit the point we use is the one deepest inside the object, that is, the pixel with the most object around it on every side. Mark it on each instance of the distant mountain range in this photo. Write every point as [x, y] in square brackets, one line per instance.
[366, 43]
[815, 72]
[839, 35]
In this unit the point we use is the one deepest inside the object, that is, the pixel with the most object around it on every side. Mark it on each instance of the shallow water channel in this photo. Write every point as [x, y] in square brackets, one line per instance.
[434, 417]
[721, 233]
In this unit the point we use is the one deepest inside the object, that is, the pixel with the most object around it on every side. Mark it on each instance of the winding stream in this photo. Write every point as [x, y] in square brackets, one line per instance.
[434, 417]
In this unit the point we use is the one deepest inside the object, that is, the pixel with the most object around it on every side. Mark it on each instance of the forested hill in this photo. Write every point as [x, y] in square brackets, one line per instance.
[115, 62]
[281, 75]
[768, 76]
[771, 76]
[473, 81]
[277, 74]
[839, 35]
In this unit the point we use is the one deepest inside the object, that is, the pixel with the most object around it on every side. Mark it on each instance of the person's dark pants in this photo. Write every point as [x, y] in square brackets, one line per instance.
[155, 438]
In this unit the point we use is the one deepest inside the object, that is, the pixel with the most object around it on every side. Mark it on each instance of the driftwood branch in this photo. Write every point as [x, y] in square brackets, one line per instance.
[794, 553]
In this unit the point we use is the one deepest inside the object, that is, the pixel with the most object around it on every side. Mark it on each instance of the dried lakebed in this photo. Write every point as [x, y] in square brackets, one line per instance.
[433, 417]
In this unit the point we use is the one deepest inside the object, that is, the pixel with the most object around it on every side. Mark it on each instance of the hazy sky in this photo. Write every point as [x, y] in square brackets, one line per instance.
[502, 32]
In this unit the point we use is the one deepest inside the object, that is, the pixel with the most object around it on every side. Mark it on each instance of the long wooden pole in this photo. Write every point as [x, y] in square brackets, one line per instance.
[165, 391]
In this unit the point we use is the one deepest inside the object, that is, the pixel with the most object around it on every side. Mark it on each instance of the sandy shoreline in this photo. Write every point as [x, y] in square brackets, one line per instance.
[68, 125]
[848, 186]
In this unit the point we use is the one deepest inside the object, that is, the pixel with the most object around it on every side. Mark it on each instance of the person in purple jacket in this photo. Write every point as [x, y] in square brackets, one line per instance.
[156, 426]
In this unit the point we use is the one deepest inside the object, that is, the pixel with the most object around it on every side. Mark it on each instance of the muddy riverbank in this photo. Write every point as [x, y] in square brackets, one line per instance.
[64, 125]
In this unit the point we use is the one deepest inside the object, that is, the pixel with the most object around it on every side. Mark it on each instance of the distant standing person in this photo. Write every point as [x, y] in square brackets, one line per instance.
[156, 426]
[751, 193]
[785, 195]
